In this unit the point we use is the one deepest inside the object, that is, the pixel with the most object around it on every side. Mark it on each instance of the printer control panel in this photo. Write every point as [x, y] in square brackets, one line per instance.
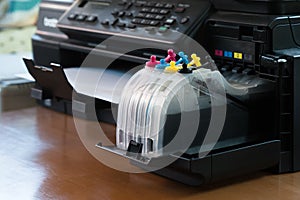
[153, 20]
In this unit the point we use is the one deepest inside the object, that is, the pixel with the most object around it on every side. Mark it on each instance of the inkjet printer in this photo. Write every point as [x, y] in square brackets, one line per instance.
[229, 109]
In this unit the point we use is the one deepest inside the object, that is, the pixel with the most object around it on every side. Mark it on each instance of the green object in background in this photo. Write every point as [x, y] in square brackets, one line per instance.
[22, 5]
[18, 13]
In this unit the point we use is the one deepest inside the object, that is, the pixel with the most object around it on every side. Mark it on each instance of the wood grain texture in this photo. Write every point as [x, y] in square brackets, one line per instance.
[42, 157]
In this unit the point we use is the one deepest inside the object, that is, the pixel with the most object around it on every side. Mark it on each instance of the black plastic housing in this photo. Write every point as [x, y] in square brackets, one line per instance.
[259, 6]
[270, 38]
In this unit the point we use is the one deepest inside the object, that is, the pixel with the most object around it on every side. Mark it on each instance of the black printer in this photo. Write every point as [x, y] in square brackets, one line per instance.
[254, 39]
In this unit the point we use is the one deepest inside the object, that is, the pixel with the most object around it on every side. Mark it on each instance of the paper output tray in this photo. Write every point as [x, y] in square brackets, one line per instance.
[54, 90]
[52, 80]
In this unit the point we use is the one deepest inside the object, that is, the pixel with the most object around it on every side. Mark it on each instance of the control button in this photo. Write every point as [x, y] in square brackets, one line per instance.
[237, 70]
[150, 16]
[141, 15]
[131, 26]
[115, 12]
[163, 12]
[115, 21]
[179, 10]
[150, 4]
[72, 16]
[121, 24]
[159, 5]
[91, 18]
[184, 20]
[154, 11]
[136, 21]
[145, 22]
[170, 21]
[169, 6]
[146, 10]
[162, 29]
[154, 23]
[80, 17]
[159, 17]
[105, 22]
[128, 5]
[128, 14]
[121, 14]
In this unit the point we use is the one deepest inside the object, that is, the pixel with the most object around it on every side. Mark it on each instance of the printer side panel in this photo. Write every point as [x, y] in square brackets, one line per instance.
[297, 114]
[285, 44]
[275, 57]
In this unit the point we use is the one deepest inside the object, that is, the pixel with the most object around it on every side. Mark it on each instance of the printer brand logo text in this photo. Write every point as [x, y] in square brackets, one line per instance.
[50, 22]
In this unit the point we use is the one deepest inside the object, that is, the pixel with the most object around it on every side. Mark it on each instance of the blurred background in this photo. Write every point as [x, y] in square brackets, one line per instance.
[17, 25]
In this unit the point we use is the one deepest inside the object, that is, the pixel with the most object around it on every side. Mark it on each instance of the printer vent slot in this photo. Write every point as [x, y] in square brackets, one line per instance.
[121, 136]
[150, 145]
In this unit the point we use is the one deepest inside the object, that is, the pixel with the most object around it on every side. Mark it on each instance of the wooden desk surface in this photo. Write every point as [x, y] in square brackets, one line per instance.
[41, 157]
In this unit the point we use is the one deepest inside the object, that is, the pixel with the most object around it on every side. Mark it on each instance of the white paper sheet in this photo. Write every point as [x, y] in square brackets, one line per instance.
[12, 64]
[98, 83]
